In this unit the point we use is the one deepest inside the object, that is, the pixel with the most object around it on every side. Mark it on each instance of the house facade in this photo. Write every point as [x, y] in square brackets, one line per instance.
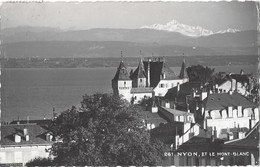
[229, 115]
[21, 143]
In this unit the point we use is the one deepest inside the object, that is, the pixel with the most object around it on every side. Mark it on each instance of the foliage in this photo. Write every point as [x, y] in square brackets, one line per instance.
[40, 162]
[106, 130]
[200, 73]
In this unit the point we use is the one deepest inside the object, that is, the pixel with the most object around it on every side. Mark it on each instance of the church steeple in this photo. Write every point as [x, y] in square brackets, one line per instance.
[183, 72]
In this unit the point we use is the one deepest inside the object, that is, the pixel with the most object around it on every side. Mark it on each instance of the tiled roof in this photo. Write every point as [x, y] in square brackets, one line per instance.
[142, 90]
[223, 100]
[176, 112]
[167, 132]
[185, 89]
[152, 118]
[244, 78]
[251, 139]
[37, 135]
[121, 73]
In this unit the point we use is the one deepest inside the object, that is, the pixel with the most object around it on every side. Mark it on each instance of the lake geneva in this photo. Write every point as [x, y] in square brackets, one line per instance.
[34, 92]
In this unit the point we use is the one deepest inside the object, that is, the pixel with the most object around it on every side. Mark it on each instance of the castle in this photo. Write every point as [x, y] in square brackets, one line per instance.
[151, 78]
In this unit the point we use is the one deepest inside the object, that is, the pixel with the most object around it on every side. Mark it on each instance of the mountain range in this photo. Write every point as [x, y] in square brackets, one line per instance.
[187, 30]
[104, 42]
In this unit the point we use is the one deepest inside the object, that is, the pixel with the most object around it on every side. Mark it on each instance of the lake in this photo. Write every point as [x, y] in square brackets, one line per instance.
[34, 92]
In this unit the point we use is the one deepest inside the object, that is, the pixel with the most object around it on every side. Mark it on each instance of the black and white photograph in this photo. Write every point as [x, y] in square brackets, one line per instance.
[129, 83]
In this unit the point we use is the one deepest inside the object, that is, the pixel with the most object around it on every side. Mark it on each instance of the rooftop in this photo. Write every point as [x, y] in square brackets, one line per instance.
[185, 89]
[176, 112]
[121, 73]
[37, 135]
[223, 100]
[251, 139]
[153, 118]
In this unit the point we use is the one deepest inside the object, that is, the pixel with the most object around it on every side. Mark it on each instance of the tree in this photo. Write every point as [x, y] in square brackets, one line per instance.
[40, 162]
[106, 130]
[200, 73]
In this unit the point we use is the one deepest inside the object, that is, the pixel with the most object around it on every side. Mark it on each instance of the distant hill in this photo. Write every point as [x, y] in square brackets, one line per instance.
[48, 49]
[51, 42]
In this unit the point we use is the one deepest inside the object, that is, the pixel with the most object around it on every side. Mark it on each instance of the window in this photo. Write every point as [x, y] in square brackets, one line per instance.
[18, 158]
[2, 157]
[124, 84]
[161, 86]
[141, 80]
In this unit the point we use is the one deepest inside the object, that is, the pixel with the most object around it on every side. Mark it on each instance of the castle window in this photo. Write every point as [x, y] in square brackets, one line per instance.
[124, 83]
[141, 80]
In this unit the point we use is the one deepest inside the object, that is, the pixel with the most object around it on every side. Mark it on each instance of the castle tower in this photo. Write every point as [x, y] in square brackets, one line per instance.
[121, 83]
[139, 76]
[183, 72]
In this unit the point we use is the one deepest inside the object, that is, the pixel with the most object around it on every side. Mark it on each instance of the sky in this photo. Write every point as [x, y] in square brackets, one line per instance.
[82, 16]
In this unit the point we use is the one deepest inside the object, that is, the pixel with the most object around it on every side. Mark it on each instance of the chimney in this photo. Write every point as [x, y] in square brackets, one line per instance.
[148, 72]
[239, 111]
[188, 108]
[230, 111]
[197, 106]
[216, 86]
[174, 106]
[214, 134]
[193, 94]
[27, 138]
[25, 131]
[177, 141]
[178, 87]
[233, 84]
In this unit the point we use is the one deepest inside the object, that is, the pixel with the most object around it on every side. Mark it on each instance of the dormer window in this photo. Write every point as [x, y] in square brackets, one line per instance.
[17, 138]
[49, 137]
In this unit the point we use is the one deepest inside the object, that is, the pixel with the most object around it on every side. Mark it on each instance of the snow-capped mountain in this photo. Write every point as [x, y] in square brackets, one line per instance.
[192, 31]
[227, 30]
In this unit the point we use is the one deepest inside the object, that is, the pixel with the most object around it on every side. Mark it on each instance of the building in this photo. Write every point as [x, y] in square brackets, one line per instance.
[245, 150]
[229, 115]
[22, 142]
[241, 83]
[178, 96]
[151, 78]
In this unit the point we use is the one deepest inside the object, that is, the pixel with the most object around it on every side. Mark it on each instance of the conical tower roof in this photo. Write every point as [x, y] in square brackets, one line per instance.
[183, 72]
[139, 72]
[121, 73]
